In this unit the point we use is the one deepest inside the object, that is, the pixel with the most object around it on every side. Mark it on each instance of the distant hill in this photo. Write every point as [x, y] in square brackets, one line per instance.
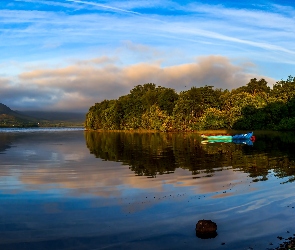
[4, 109]
[11, 118]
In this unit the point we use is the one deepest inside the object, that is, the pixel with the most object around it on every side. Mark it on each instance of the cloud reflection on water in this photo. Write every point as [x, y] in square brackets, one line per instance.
[44, 162]
[64, 191]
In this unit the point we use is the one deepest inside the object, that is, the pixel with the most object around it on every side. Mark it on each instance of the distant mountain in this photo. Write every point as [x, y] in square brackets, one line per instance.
[10, 118]
[5, 110]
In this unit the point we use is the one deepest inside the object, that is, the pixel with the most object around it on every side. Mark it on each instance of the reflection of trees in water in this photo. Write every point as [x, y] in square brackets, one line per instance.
[151, 154]
[147, 154]
[280, 158]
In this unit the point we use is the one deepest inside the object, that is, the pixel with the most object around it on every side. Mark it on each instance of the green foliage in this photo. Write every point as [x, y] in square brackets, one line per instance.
[256, 87]
[254, 106]
[192, 104]
[156, 119]
[236, 103]
[284, 90]
[166, 99]
[212, 119]
[286, 124]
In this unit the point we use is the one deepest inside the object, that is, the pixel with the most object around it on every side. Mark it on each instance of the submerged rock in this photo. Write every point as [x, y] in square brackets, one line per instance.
[206, 229]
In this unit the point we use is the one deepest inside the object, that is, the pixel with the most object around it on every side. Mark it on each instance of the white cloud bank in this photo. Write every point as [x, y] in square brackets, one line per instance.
[78, 86]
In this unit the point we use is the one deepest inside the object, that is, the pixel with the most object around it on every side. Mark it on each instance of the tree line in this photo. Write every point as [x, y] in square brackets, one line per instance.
[250, 107]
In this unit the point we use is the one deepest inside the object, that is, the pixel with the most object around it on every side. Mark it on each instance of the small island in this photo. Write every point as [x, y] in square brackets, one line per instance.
[255, 106]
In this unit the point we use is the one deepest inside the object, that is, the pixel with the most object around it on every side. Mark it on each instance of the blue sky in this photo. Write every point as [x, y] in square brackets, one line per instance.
[69, 54]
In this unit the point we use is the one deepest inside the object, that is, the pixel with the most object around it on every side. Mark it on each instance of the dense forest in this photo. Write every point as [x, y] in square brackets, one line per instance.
[255, 106]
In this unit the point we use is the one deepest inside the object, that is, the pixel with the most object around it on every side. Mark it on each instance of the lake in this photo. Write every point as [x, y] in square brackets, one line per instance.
[72, 189]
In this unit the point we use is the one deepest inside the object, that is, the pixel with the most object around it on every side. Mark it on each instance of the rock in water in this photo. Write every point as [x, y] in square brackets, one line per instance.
[206, 229]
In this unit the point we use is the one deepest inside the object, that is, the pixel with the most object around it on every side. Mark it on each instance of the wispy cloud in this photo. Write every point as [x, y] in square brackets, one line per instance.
[101, 49]
[224, 24]
[104, 6]
[48, 2]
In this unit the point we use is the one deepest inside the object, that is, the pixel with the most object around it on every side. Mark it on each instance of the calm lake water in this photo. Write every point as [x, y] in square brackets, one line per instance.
[71, 189]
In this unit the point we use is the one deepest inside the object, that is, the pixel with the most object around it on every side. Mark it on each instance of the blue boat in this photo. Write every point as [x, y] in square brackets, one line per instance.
[238, 138]
[246, 136]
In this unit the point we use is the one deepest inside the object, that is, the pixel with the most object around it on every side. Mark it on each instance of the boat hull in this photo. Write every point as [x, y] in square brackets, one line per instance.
[246, 136]
[237, 137]
[217, 137]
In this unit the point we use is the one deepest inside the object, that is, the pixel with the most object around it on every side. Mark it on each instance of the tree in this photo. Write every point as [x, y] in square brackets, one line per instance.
[284, 90]
[256, 87]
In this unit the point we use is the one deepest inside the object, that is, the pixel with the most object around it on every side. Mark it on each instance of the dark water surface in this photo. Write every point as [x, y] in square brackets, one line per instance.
[70, 189]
